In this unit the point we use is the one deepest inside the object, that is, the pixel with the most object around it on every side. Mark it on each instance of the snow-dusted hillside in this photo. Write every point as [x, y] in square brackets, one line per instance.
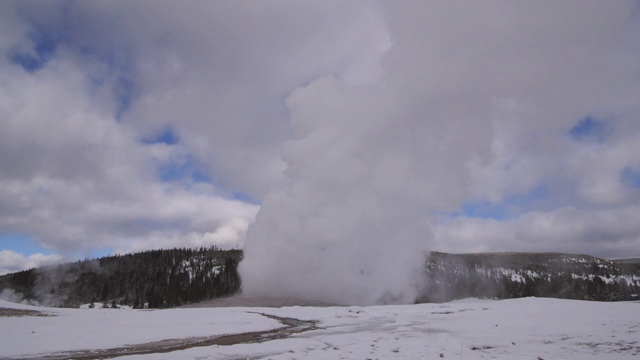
[513, 275]
[169, 278]
[527, 328]
[157, 278]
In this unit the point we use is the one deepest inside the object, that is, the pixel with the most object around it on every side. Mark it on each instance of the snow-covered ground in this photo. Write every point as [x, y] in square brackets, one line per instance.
[530, 328]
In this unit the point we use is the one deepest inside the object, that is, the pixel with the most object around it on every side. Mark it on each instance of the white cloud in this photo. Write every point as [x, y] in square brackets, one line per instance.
[78, 179]
[611, 233]
[11, 261]
[229, 234]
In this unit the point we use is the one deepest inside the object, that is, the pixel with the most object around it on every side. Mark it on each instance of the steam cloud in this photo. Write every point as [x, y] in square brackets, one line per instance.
[352, 226]
[370, 165]
[367, 165]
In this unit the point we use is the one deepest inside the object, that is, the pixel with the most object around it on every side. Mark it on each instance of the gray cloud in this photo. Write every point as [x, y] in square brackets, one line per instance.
[76, 179]
[10, 261]
[610, 233]
[80, 180]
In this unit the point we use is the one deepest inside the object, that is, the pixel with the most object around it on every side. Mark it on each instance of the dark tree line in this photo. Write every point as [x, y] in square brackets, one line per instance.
[167, 278]
[513, 275]
[154, 279]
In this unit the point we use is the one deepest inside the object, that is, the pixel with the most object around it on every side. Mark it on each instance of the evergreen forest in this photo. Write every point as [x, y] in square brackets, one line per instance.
[150, 279]
[169, 278]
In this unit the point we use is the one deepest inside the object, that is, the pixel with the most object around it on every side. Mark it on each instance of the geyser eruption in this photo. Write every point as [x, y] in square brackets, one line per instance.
[368, 167]
[352, 226]
[371, 165]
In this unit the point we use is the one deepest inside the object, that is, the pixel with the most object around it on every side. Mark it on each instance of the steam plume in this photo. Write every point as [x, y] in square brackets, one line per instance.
[352, 226]
[370, 166]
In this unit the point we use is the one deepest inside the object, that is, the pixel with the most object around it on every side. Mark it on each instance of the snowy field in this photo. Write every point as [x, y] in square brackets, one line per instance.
[530, 328]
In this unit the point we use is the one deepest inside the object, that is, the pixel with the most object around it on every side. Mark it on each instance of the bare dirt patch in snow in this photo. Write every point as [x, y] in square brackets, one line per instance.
[241, 300]
[610, 347]
[6, 312]
[291, 326]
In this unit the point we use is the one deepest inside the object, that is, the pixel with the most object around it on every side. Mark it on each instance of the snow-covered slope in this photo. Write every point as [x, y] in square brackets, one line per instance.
[527, 328]
[169, 278]
[156, 278]
[513, 275]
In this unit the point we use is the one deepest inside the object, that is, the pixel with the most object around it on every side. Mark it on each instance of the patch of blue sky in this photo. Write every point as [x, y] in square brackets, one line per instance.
[118, 73]
[125, 92]
[631, 177]
[21, 244]
[101, 252]
[538, 193]
[121, 72]
[123, 89]
[192, 171]
[245, 198]
[44, 45]
[483, 209]
[188, 168]
[45, 40]
[87, 253]
[167, 136]
[590, 129]
[512, 205]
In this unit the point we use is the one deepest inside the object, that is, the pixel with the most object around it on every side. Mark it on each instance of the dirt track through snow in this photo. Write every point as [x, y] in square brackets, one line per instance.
[290, 326]
[6, 312]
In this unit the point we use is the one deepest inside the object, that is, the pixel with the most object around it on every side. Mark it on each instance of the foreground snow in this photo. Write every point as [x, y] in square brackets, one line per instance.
[528, 328]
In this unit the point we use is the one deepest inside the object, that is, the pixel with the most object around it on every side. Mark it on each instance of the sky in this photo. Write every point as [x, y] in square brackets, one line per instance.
[364, 132]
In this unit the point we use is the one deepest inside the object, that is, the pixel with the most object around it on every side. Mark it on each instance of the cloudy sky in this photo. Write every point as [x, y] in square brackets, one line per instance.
[355, 130]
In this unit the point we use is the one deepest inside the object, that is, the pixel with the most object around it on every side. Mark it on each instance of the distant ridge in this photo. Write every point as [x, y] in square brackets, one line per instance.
[627, 261]
[152, 279]
[512, 275]
[178, 277]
